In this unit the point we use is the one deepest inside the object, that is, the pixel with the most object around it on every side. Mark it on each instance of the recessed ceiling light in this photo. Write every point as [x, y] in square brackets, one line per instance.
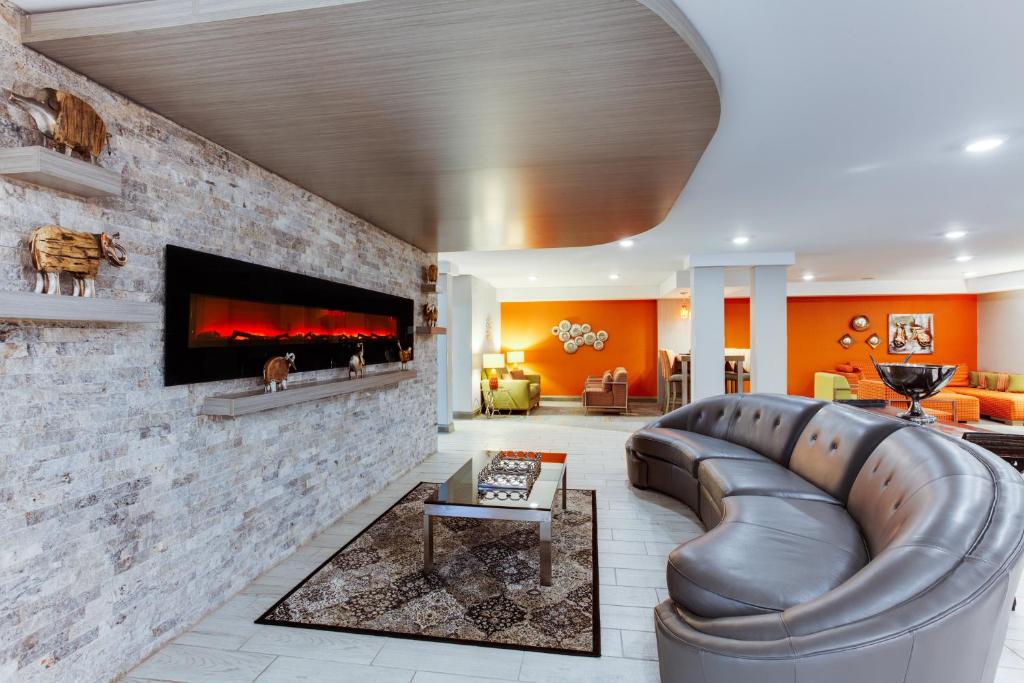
[808, 277]
[740, 240]
[964, 258]
[614, 276]
[970, 275]
[984, 144]
[625, 244]
[956, 234]
[531, 278]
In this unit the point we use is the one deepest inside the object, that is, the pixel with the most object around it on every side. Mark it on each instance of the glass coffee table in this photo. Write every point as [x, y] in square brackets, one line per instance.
[460, 497]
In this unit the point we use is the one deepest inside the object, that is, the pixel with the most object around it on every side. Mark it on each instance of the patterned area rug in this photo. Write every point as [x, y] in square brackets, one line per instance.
[484, 590]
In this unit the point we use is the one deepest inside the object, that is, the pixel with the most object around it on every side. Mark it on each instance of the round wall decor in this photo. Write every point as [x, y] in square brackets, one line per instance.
[569, 346]
[564, 336]
[602, 335]
[575, 336]
[598, 345]
[564, 326]
[860, 323]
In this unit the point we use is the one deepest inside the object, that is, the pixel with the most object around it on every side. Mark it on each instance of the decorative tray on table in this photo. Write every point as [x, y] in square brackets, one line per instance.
[509, 476]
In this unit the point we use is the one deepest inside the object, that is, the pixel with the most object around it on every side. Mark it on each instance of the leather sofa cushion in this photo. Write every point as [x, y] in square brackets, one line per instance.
[687, 449]
[771, 424]
[834, 445]
[710, 417]
[767, 555]
[724, 478]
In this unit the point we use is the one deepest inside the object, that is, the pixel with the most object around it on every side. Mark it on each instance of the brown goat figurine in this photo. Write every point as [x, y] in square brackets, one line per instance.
[430, 315]
[56, 250]
[275, 372]
[404, 355]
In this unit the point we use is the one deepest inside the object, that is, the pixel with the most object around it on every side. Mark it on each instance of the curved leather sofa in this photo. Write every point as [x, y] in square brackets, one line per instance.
[842, 546]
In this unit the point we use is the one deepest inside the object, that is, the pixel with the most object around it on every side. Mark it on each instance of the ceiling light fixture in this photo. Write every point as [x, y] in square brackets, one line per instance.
[740, 240]
[956, 234]
[984, 144]
[625, 244]
[614, 276]
[808, 277]
[964, 258]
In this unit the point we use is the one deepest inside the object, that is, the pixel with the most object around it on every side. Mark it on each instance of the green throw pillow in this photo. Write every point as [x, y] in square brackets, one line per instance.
[1016, 384]
[991, 379]
[973, 379]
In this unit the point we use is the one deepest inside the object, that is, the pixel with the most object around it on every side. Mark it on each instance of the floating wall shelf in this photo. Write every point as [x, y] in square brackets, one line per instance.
[433, 288]
[56, 171]
[245, 403]
[431, 330]
[32, 306]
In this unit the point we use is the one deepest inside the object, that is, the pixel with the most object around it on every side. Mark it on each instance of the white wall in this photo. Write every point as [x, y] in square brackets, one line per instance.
[673, 332]
[1000, 331]
[473, 302]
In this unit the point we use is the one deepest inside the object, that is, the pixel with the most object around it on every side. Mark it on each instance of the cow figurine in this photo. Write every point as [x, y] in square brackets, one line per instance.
[56, 250]
[430, 315]
[357, 364]
[275, 372]
[66, 121]
[404, 355]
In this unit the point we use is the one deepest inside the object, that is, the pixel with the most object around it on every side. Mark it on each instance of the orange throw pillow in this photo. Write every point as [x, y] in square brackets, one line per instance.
[845, 367]
[961, 378]
[1002, 381]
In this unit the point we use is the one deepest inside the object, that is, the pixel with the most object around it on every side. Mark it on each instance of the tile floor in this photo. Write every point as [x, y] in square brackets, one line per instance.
[635, 530]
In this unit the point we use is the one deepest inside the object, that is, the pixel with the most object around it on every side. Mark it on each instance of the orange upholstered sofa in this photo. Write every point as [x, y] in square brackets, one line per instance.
[971, 402]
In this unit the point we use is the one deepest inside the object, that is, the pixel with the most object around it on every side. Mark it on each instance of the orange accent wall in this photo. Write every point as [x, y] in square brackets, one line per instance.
[815, 325]
[632, 328]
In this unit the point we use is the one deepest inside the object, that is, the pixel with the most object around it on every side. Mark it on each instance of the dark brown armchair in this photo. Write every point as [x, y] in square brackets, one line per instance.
[608, 392]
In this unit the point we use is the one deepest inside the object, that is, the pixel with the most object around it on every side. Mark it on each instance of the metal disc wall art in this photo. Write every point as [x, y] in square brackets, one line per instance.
[873, 341]
[860, 323]
[846, 341]
[575, 336]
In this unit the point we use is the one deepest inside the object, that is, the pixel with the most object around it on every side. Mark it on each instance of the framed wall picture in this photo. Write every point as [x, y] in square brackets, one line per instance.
[911, 333]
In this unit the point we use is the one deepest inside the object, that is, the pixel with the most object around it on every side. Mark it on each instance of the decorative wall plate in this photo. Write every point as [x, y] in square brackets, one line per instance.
[860, 323]
[564, 336]
[579, 341]
[585, 327]
[602, 335]
[564, 326]
[598, 345]
[589, 338]
[846, 341]
[569, 346]
[873, 341]
[574, 330]
[556, 330]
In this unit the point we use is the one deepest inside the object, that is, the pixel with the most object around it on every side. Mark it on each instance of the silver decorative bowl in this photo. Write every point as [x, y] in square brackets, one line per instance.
[917, 382]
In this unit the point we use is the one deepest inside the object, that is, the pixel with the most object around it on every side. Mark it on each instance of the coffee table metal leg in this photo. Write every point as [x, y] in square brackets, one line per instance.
[428, 542]
[545, 553]
[565, 506]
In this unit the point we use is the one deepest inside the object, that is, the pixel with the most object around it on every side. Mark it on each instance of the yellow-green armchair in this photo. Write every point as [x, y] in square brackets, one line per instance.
[829, 386]
[512, 394]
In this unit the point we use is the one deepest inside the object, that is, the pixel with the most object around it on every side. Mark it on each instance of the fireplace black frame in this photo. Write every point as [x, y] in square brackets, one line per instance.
[191, 272]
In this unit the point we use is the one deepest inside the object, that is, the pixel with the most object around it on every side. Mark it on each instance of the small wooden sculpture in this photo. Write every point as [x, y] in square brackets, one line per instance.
[432, 274]
[430, 315]
[66, 121]
[56, 250]
[357, 364]
[275, 372]
[404, 355]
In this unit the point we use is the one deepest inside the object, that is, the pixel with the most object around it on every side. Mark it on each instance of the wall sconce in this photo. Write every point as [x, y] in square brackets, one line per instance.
[684, 312]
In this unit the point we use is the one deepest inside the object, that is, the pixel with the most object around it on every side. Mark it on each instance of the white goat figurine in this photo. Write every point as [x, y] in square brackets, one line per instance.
[357, 364]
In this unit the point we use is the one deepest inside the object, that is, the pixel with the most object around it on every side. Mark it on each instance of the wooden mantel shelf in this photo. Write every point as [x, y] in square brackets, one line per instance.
[245, 403]
[45, 167]
[65, 308]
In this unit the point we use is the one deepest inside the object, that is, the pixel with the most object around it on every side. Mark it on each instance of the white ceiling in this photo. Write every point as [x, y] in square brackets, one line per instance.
[35, 6]
[841, 139]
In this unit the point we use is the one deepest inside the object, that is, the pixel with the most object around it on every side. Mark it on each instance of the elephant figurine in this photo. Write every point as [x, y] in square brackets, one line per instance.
[66, 121]
[56, 250]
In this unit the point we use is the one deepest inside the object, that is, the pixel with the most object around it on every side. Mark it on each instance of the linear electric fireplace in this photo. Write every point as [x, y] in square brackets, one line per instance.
[225, 318]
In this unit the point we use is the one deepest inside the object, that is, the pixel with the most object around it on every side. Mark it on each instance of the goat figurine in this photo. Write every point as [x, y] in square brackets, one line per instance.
[404, 355]
[357, 364]
[275, 372]
[66, 121]
[56, 250]
[430, 315]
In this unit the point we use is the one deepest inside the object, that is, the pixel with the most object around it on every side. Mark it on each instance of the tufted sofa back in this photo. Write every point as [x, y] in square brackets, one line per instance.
[835, 444]
[766, 423]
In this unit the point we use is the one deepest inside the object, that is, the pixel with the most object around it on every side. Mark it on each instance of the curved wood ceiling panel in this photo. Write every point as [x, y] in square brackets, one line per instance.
[454, 125]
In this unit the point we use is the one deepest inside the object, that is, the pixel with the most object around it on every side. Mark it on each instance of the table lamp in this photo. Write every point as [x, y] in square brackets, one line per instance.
[515, 358]
[493, 361]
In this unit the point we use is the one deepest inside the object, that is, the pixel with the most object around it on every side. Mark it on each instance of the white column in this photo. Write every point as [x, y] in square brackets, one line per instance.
[707, 331]
[445, 423]
[768, 344]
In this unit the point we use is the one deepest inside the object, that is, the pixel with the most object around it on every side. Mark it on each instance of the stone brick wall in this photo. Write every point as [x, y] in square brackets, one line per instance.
[125, 516]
